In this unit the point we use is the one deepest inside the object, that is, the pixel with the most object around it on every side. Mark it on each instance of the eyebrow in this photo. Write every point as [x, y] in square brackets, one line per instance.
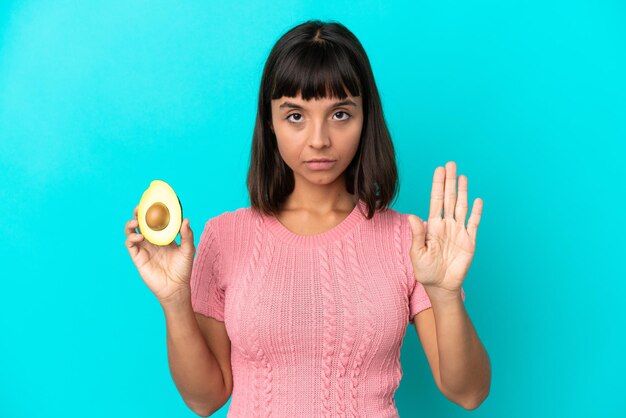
[296, 106]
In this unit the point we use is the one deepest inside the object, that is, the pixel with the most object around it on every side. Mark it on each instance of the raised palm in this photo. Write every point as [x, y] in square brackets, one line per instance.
[443, 248]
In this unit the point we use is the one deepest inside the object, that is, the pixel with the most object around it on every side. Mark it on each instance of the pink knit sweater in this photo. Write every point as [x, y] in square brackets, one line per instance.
[316, 322]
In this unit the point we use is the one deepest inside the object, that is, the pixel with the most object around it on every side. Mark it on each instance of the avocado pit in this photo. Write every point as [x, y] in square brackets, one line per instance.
[158, 216]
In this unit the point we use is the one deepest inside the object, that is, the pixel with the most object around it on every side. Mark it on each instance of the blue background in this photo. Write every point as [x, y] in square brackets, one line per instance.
[98, 98]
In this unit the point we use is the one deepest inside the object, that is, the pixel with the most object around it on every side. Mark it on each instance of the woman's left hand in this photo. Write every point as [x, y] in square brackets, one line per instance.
[443, 248]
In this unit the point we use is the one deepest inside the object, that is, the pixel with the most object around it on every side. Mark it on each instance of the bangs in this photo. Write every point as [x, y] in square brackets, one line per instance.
[318, 70]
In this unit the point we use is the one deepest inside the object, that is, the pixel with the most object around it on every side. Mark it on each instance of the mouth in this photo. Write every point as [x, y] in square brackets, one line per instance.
[324, 160]
[317, 165]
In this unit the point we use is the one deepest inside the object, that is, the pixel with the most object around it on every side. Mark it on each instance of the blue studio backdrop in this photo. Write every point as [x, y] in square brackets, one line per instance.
[98, 98]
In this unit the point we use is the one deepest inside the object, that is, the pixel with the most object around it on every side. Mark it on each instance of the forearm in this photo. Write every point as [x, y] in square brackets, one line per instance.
[194, 368]
[464, 365]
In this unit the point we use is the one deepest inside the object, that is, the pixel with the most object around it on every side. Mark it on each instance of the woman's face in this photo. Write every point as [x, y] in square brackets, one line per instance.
[328, 128]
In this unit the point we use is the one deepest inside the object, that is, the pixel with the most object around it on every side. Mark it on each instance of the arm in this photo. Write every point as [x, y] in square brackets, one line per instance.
[194, 368]
[459, 362]
[441, 253]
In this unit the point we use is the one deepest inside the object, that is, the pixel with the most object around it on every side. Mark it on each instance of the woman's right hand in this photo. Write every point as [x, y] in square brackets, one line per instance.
[166, 270]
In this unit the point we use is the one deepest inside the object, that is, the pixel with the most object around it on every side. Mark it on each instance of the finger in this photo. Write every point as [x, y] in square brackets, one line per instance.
[135, 211]
[474, 220]
[436, 193]
[135, 237]
[131, 244]
[131, 227]
[450, 190]
[186, 238]
[418, 235]
[460, 213]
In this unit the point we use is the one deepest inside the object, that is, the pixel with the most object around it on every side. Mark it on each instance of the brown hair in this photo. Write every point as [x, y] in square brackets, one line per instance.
[318, 59]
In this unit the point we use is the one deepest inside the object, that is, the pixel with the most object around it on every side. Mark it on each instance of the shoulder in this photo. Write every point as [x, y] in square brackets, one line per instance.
[233, 232]
[389, 223]
[227, 221]
[395, 225]
[391, 219]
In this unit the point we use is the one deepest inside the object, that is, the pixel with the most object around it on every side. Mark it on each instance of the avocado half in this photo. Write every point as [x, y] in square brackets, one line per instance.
[160, 213]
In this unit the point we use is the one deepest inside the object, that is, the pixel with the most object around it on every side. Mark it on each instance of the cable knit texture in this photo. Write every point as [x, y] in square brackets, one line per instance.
[316, 322]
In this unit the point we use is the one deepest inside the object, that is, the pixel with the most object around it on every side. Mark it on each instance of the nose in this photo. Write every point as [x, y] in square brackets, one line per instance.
[319, 136]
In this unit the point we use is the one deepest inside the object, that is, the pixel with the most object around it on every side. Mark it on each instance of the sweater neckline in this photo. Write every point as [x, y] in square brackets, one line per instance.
[335, 233]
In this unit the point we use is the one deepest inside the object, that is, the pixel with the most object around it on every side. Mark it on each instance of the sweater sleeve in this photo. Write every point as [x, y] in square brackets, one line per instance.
[418, 298]
[207, 294]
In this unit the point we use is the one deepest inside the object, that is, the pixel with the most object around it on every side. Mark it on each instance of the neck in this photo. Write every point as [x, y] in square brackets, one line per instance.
[320, 199]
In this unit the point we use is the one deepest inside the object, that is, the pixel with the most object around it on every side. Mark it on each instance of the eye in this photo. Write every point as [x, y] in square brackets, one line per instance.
[294, 114]
[345, 113]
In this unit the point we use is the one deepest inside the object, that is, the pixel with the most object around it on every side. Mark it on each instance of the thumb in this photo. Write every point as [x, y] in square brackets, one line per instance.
[418, 227]
[186, 238]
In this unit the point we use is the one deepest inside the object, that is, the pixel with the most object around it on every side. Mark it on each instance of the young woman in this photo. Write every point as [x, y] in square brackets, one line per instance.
[298, 305]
